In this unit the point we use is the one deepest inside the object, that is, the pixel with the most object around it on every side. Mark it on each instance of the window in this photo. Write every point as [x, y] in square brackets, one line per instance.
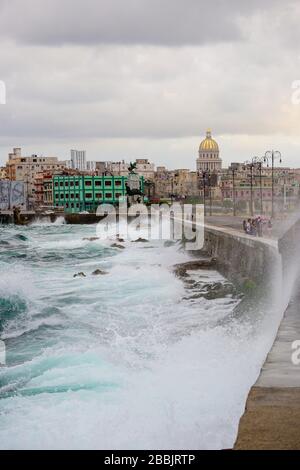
[88, 183]
[76, 183]
[71, 183]
[56, 184]
[98, 183]
[108, 195]
[77, 204]
[61, 183]
[72, 205]
[77, 195]
[98, 195]
[61, 196]
[88, 195]
[67, 196]
[67, 184]
[67, 205]
[72, 196]
[118, 195]
[118, 183]
[107, 183]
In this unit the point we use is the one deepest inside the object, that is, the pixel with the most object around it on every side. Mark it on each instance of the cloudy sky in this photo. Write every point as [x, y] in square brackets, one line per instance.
[146, 78]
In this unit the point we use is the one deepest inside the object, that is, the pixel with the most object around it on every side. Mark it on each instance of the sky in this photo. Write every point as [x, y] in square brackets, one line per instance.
[126, 79]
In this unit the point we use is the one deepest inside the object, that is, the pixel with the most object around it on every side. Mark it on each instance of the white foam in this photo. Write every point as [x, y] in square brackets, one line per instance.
[132, 365]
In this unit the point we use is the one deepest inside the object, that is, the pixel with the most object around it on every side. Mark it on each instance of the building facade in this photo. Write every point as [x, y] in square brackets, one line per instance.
[78, 159]
[185, 183]
[180, 183]
[43, 189]
[12, 194]
[118, 168]
[86, 193]
[3, 173]
[19, 168]
[145, 169]
[209, 155]
[91, 166]
[240, 190]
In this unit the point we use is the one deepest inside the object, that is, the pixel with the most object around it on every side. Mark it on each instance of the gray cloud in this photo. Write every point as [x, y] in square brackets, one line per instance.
[155, 22]
[119, 75]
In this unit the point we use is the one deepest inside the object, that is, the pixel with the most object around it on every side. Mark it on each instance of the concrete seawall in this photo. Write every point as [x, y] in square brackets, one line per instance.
[272, 415]
[241, 258]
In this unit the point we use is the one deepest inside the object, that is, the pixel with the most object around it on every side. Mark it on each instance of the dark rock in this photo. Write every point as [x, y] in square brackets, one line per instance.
[79, 275]
[98, 272]
[181, 269]
[218, 290]
[116, 245]
[140, 240]
[169, 243]
[91, 239]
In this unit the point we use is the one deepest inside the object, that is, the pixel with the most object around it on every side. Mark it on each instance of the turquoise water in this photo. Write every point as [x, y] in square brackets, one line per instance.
[131, 359]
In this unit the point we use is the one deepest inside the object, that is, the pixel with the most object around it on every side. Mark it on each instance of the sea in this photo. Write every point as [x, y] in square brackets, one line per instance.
[133, 358]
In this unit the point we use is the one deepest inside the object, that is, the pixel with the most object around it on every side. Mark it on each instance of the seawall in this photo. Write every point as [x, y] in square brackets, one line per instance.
[272, 415]
[246, 261]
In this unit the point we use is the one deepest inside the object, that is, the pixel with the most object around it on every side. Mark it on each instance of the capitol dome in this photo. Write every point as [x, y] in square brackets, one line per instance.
[208, 143]
[209, 158]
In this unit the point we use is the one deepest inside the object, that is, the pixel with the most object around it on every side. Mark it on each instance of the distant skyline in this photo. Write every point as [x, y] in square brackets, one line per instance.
[136, 78]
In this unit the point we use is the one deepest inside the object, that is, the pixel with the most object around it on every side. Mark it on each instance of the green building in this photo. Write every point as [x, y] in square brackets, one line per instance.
[86, 193]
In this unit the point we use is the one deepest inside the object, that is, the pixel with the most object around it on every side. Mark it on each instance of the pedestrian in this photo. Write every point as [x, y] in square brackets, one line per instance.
[248, 227]
[269, 228]
[259, 226]
[245, 226]
[253, 228]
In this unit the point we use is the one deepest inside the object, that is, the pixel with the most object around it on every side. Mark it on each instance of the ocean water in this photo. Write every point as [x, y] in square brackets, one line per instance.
[136, 358]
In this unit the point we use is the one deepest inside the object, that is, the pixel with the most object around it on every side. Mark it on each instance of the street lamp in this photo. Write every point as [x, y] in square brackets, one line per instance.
[251, 166]
[272, 155]
[234, 170]
[256, 162]
[206, 176]
[259, 163]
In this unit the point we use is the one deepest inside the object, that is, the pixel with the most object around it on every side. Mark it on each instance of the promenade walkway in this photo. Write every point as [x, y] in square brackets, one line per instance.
[272, 416]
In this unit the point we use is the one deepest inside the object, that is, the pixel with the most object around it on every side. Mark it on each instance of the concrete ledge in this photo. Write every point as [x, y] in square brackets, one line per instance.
[240, 257]
[271, 420]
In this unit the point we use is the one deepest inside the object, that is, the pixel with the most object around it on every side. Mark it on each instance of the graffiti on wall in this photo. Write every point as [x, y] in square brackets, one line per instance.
[12, 193]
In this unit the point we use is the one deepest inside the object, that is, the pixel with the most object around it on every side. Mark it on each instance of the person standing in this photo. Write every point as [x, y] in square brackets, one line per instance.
[259, 226]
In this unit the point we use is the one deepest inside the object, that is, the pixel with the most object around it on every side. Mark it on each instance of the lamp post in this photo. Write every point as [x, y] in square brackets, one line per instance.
[259, 163]
[272, 155]
[234, 170]
[256, 162]
[203, 184]
[251, 166]
[206, 176]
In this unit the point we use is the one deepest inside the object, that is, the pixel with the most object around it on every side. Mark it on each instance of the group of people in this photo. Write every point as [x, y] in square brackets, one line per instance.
[256, 227]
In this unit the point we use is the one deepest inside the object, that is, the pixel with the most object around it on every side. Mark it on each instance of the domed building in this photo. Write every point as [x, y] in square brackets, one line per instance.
[209, 155]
